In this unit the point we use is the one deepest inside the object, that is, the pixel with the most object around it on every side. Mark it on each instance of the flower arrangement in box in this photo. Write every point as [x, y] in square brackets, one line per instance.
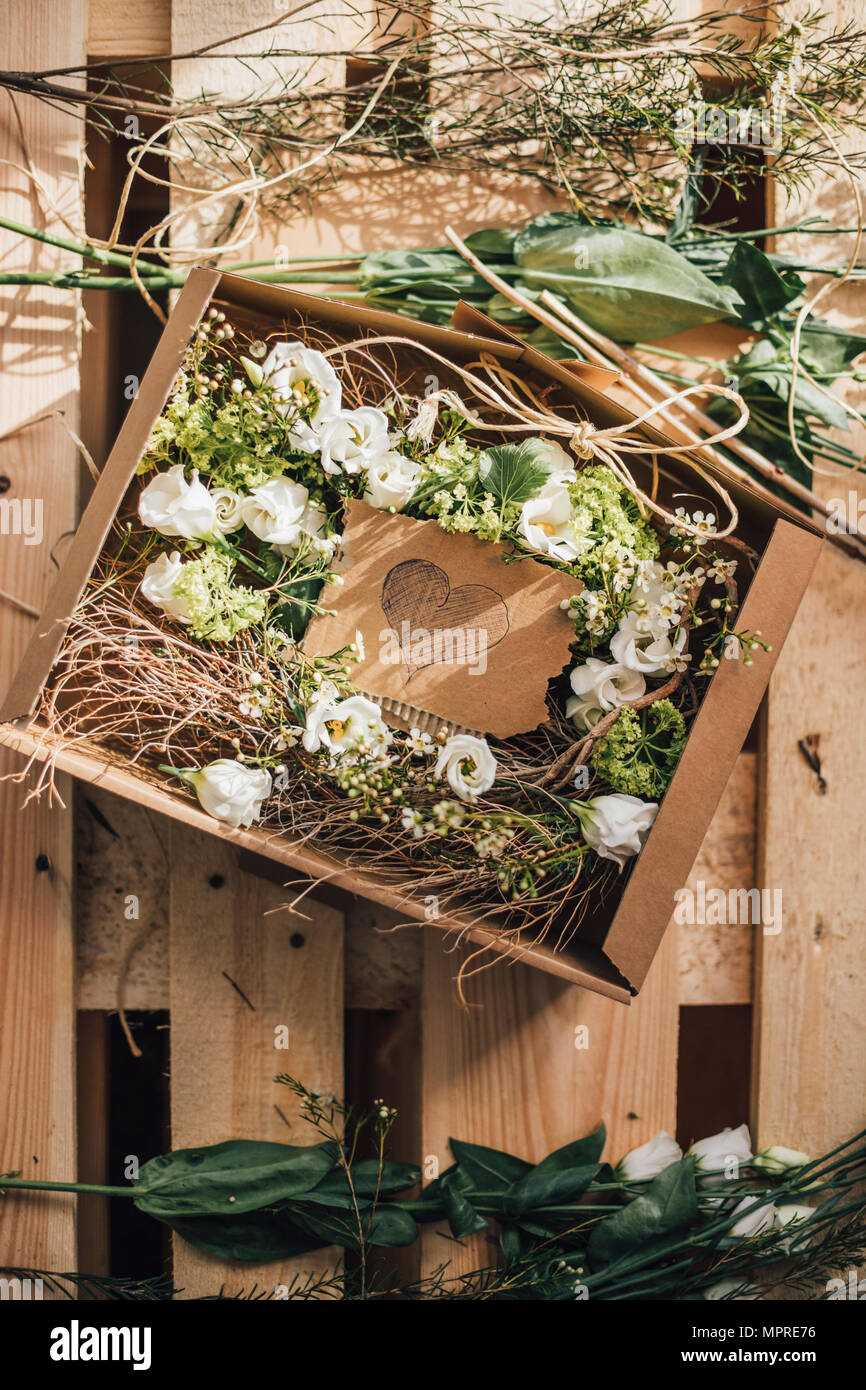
[189, 654]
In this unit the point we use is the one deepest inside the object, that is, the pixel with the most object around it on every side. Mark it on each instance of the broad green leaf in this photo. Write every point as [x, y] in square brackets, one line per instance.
[463, 1219]
[369, 1177]
[260, 1236]
[510, 1242]
[253, 1174]
[513, 472]
[669, 1204]
[561, 1177]
[388, 1226]
[830, 348]
[630, 286]
[762, 289]
[490, 1170]
[492, 242]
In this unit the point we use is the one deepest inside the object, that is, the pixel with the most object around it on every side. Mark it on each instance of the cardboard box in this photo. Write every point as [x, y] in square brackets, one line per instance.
[613, 949]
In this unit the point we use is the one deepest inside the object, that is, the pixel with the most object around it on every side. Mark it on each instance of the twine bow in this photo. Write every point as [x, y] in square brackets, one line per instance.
[503, 391]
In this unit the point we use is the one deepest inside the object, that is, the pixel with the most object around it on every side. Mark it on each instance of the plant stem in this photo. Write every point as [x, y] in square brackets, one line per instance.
[80, 248]
[40, 1185]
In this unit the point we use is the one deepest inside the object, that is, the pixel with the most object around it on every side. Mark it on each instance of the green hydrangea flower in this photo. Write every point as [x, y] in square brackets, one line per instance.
[640, 753]
[606, 513]
[217, 608]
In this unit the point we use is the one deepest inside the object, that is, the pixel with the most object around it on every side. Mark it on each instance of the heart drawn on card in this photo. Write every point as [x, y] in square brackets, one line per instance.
[434, 623]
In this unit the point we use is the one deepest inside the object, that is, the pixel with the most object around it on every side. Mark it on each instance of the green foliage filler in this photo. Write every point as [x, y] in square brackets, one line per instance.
[640, 753]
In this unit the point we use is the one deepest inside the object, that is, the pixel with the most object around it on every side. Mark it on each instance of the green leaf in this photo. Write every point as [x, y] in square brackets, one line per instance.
[463, 1219]
[687, 208]
[489, 1170]
[200, 1182]
[513, 472]
[260, 1236]
[387, 1226]
[561, 1177]
[763, 290]
[511, 1242]
[630, 286]
[492, 242]
[369, 1177]
[669, 1204]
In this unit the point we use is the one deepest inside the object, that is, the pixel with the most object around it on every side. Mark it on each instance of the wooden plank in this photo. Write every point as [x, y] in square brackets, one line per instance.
[241, 971]
[128, 28]
[535, 1062]
[39, 355]
[809, 1086]
[715, 961]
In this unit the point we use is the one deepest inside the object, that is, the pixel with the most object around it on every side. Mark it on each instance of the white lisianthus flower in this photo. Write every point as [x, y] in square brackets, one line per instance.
[228, 509]
[231, 792]
[174, 507]
[616, 826]
[561, 464]
[753, 1221]
[314, 523]
[303, 381]
[735, 1290]
[391, 481]
[720, 1151]
[600, 686]
[158, 584]
[273, 511]
[777, 1160]
[353, 439]
[547, 522]
[468, 765]
[349, 726]
[650, 1159]
[634, 646]
[791, 1214]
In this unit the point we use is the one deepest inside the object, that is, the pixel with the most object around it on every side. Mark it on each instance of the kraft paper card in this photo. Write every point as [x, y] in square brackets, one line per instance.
[447, 626]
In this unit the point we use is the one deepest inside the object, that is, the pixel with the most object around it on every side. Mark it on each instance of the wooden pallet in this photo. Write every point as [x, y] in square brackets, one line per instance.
[728, 1026]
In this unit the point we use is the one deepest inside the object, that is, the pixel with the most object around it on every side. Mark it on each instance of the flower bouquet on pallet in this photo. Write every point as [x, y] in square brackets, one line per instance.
[414, 612]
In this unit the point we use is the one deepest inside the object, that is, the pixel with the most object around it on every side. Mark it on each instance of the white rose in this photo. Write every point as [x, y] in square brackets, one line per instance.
[777, 1159]
[158, 582]
[754, 1222]
[303, 380]
[633, 645]
[600, 686]
[273, 511]
[468, 765]
[231, 792]
[345, 726]
[353, 439]
[650, 1159]
[228, 509]
[391, 481]
[547, 523]
[174, 507]
[616, 826]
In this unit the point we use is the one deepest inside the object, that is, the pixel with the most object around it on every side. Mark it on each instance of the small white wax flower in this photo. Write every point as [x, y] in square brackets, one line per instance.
[735, 1290]
[273, 511]
[231, 792]
[228, 509]
[353, 439]
[722, 1151]
[468, 765]
[616, 826]
[600, 686]
[391, 481]
[650, 1159]
[174, 507]
[777, 1160]
[158, 585]
[547, 523]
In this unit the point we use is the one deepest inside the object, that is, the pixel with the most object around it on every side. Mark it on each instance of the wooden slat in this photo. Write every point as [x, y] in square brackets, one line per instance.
[226, 923]
[128, 28]
[509, 1072]
[40, 347]
[809, 1085]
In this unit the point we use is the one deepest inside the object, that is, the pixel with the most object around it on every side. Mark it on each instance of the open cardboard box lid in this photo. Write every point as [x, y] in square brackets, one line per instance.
[612, 954]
